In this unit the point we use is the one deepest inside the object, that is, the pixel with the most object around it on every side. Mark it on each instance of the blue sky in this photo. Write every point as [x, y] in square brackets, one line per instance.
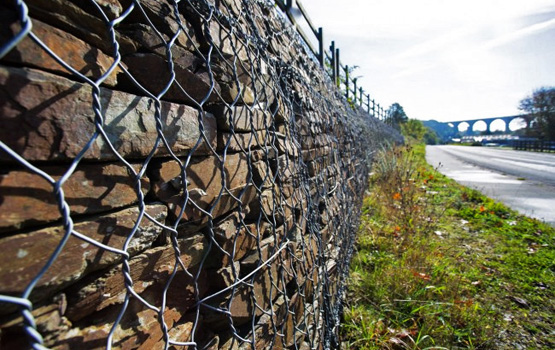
[444, 60]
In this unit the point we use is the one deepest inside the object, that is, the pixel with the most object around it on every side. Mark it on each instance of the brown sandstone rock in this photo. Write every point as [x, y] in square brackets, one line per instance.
[27, 199]
[283, 319]
[149, 271]
[153, 73]
[265, 207]
[234, 6]
[70, 17]
[242, 84]
[242, 142]
[287, 170]
[263, 175]
[139, 329]
[84, 58]
[162, 14]
[25, 254]
[37, 126]
[148, 40]
[204, 187]
[285, 144]
[224, 277]
[236, 239]
[247, 300]
[48, 318]
[228, 43]
[241, 118]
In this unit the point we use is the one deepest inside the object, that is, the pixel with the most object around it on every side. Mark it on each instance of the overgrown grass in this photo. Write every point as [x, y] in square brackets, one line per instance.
[440, 266]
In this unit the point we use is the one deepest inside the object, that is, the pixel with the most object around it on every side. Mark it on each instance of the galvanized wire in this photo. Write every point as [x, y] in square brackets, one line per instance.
[310, 205]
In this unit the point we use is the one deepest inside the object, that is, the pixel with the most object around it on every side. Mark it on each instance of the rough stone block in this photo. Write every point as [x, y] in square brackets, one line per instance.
[264, 335]
[266, 207]
[314, 153]
[263, 175]
[48, 318]
[283, 319]
[148, 40]
[254, 87]
[205, 190]
[247, 301]
[241, 118]
[84, 58]
[25, 254]
[191, 85]
[227, 43]
[27, 199]
[73, 19]
[287, 170]
[280, 263]
[149, 271]
[164, 17]
[284, 144]
[224, 277]
[237, 93]
[242, 142]
[236, 239]
[232, 6]
[37, 126]
[139, 329]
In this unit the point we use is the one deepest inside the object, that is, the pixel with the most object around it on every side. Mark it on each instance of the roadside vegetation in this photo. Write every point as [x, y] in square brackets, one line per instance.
[440, 266]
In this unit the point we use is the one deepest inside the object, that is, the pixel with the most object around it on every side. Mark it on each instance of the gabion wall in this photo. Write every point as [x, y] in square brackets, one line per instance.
[173, 175]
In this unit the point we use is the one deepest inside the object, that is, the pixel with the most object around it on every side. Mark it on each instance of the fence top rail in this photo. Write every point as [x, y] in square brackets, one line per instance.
[332, 55]
[285, 7]
[307, 18]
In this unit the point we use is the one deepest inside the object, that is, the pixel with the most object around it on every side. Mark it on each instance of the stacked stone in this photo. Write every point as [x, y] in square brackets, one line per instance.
[210, 176]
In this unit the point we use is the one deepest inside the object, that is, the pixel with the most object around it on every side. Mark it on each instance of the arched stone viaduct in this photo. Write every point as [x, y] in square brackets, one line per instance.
[471, 122]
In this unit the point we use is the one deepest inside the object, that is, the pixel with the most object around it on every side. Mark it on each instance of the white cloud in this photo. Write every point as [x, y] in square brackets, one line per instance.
[520, 34]
[449, 59]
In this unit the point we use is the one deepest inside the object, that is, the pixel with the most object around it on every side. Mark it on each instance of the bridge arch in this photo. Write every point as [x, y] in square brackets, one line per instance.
[479, 125]
[492, 124]
[463, 126]
[498, 124]
[518, 123]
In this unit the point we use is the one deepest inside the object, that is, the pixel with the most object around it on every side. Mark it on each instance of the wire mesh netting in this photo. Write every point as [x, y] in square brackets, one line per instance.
[175, 174]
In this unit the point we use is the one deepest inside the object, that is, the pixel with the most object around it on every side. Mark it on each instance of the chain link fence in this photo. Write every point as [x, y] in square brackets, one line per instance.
[175, 174]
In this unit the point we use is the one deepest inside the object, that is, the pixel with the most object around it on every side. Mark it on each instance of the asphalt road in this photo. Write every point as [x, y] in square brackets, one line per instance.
[525, 181]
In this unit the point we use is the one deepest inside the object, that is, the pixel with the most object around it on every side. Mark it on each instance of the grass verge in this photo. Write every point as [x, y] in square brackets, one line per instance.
[440, 266]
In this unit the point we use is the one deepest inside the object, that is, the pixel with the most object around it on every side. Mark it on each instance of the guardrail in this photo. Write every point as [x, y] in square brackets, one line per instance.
[331, 62]
[534, 145]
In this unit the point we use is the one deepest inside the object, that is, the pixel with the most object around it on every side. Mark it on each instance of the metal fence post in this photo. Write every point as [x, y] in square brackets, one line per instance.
[352, 92]
[289, 4]
[321, 54]
[347, 82]
[333, 65]
[355, 90]
[337, 66]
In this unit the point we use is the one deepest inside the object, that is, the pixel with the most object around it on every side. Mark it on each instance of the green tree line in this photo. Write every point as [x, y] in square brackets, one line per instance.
[412, 129]
[540, 106]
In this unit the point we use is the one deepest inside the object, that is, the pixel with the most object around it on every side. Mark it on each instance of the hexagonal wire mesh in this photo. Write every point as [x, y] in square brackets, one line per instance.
[175, 175]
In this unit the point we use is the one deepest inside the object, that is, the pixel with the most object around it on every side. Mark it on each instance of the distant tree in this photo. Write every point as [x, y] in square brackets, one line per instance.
[541, 106]
[396, 116]
[430, 137]
[443, 132]
[416, 131]
[413, 128]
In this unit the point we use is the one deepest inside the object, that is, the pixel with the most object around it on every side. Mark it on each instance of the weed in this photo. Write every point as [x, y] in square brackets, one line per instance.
[439, 266]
